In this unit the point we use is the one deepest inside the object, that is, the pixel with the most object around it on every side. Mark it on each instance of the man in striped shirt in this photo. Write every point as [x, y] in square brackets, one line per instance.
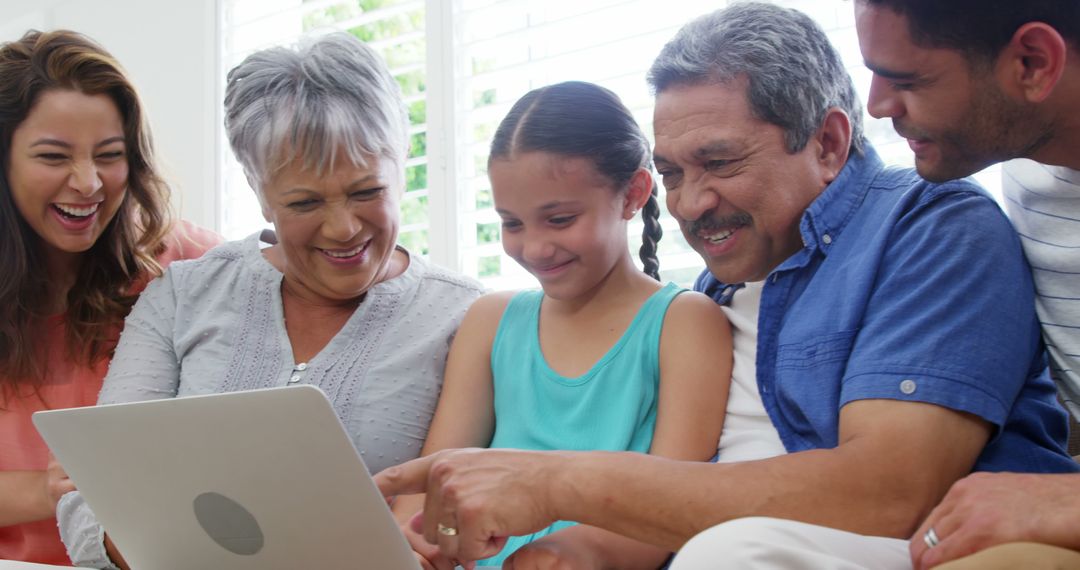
[970, 83]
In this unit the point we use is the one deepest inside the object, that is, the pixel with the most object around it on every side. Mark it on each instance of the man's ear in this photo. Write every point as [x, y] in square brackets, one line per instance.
[1033, 61]
[833, 143]
[637, 193]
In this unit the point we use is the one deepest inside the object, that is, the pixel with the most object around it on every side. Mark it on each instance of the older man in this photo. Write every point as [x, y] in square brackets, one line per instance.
[895, 351]
[970, 83]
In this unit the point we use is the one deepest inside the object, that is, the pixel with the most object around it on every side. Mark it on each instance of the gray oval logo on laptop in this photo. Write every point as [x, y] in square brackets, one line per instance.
[228, 523]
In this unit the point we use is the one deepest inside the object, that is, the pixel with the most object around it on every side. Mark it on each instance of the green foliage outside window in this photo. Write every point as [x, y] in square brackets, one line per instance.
[329, 16]
[418, 145]
[484, 199]
[408, 53]
[416, 241]
[483, 64]
[412, 83]
[416, 177]
[391, 27]
[418, 112]
[483, 98]
[487, 233]
[414, 210]
[489, 266]
[484, 131]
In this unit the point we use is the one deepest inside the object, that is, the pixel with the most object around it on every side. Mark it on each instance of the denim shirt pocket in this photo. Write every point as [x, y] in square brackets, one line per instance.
[808, 383]
[816, 353]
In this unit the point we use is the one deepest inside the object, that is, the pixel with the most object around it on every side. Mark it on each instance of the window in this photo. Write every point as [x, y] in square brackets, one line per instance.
[462, 64]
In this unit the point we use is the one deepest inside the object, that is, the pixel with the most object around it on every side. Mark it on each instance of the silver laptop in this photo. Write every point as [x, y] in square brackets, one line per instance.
[263, 479]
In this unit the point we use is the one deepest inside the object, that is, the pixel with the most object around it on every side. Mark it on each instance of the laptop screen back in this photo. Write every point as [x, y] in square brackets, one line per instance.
[247, 480]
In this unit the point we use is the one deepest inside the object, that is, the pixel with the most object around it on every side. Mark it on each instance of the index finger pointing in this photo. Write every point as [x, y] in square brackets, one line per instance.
[406, 479]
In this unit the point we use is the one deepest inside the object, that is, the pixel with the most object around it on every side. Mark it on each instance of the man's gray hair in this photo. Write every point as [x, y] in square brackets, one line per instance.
[795, 76]
[330, 94]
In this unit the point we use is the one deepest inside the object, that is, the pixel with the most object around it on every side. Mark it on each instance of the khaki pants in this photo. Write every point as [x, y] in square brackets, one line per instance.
[1019, 555]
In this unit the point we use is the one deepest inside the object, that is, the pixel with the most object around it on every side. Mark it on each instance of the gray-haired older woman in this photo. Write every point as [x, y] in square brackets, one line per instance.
[321, 132]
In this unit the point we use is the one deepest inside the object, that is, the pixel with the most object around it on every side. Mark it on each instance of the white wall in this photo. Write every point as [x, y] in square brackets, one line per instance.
[170, 48]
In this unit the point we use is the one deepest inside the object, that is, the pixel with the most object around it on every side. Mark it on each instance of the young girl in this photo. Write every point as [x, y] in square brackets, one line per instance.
[605, 357]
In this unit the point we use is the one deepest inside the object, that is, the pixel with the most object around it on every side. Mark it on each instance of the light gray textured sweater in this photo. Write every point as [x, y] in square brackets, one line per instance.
[216, 324]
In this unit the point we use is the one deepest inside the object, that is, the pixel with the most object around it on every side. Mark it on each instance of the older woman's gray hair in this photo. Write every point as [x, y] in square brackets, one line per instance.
[331, 94]
[795, 76]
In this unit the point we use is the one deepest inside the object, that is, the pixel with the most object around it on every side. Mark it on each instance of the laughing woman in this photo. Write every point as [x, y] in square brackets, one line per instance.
[84, 224]
[322, 134]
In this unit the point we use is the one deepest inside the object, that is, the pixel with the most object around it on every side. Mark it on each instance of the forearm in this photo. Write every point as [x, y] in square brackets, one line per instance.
[23, 498]
[665, 502]
[115, 555]
[881, 479]
[406, 506]
[1061, 509]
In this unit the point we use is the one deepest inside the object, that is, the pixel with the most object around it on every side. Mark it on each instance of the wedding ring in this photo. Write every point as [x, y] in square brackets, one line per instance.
[930, 538]
[446, 530]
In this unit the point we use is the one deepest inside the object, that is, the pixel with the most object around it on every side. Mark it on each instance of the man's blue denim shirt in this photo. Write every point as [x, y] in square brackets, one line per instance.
[906, 290]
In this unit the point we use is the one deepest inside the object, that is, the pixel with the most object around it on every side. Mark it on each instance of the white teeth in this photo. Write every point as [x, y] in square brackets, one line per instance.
[717, 238]
[344, 254]
[76, 211]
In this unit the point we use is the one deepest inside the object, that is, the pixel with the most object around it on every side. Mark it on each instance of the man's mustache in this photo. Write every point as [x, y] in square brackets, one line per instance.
[708, 224]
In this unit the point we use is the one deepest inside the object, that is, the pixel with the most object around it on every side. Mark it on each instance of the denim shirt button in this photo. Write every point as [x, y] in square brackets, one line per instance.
[908, 387]
[827, 239]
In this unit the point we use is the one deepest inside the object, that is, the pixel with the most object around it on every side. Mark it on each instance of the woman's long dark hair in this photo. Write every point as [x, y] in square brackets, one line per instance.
[579, 119]
[61, 60]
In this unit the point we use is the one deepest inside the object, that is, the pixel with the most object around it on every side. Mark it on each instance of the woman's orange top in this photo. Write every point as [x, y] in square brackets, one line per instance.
[66, 385]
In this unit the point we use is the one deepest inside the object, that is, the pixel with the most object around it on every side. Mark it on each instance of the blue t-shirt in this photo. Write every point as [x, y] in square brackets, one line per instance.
[611, 407]
[906, 290]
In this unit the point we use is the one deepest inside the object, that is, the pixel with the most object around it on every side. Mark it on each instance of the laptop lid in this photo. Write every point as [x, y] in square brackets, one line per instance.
[261, 479]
